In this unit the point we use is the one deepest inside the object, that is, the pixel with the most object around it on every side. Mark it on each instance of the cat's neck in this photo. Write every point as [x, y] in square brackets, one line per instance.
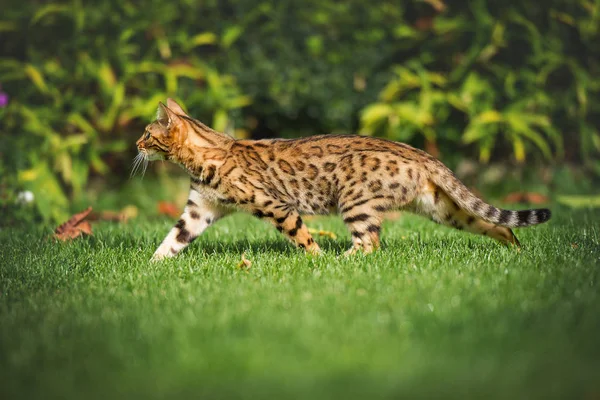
[194, 158]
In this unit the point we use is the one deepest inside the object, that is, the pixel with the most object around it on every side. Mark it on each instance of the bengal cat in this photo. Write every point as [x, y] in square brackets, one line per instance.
[279, 179]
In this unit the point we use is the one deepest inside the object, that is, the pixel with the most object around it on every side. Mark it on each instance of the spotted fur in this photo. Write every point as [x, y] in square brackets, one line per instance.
[279, 180]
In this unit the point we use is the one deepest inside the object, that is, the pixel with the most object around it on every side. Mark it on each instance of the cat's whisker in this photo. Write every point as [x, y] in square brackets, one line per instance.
[140, 158]
[145, 166]
[134, 165]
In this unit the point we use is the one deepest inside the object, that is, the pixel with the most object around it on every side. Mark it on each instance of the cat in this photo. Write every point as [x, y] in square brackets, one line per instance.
[280, 179]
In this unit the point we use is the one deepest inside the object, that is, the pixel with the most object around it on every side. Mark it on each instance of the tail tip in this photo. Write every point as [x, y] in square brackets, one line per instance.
[543, 215]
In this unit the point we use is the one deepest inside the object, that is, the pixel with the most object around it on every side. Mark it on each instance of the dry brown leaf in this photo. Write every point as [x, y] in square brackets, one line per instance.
[244, 263]
[170, 209]
[124, 215]
[424, 24]
[574, 245]
[438, 5]
[392, 215]
[526, 197]
[76, 226]
[320, 232]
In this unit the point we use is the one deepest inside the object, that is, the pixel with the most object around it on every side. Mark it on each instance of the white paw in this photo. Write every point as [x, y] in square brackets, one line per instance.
[158, 256]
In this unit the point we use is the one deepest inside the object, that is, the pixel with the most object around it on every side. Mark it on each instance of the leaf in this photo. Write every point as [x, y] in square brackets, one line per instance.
[518, 148]
[244, 264]
[374, 115]
[124, 215]
[477, 132]
[170, 209]
[201, 39]
[392, 215]
[6, 26]
[75, 227]
[220, 120]
[438, 5]
[107, 77]
[525, 197]
[230, 35]
[489, 117]
[319, 232]
[50, 201]
[36, 77]
[48, 10]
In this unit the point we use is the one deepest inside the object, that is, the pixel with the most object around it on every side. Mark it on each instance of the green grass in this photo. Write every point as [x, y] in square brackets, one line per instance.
[435, 313]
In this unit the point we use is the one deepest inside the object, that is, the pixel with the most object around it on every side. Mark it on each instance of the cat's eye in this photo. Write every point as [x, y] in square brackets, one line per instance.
[147, 136]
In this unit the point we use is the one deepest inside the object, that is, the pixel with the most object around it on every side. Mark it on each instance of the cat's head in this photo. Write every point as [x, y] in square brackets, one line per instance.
[166, 133]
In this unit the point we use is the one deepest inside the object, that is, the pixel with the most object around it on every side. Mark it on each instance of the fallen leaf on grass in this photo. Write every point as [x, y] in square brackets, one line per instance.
[525, 197]
[322, 233]
[392, 215]
[76, 226]
[170, 209]
[124, 215]
[574, 245]
[244, 263]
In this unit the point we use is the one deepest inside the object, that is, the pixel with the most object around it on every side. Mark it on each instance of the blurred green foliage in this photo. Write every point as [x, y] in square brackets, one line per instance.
[502, 80]
[496, 74]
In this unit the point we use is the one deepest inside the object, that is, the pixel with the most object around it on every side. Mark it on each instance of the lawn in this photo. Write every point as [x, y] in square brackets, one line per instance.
[435, 313]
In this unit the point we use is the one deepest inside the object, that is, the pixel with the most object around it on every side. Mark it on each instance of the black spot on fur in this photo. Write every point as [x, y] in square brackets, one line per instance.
[210, 174]
[184, 236]
[375, 186]
[329, 166]
[258, 213]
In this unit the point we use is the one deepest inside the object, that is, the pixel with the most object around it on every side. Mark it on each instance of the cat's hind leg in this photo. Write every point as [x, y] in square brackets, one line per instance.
[437, 205]
[288, 221]
[198, 215]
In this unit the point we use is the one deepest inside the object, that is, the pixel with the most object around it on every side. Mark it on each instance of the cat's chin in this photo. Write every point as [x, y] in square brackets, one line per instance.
[156, 157]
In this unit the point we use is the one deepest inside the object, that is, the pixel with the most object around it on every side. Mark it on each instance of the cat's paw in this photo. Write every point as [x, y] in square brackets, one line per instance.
[156, 257]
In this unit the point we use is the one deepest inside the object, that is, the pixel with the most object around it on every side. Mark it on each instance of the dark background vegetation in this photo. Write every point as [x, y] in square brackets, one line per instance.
[510, 82]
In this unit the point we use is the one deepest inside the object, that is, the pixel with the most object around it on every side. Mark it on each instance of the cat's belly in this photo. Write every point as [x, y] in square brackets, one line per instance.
[316, 206]
[209, 194]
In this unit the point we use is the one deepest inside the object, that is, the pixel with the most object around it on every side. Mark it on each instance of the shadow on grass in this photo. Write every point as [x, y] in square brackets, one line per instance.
[211, 246]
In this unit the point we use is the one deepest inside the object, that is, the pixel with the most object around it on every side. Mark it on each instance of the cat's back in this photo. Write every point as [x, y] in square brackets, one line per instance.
[333, 146]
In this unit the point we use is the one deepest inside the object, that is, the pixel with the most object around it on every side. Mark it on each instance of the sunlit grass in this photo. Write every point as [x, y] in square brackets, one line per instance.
[436, 312]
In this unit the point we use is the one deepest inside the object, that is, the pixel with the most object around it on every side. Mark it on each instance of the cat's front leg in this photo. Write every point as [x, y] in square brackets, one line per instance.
[198, 215]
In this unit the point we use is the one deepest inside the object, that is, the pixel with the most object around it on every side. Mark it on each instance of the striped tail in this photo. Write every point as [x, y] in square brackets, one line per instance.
[473, 205]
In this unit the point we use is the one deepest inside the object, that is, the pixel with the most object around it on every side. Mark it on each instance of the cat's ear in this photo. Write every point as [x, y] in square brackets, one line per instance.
[166, 117]
[162, 115]
[176, 108]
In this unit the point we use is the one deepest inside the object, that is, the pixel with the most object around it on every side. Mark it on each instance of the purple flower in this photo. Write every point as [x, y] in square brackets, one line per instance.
[3, 98]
